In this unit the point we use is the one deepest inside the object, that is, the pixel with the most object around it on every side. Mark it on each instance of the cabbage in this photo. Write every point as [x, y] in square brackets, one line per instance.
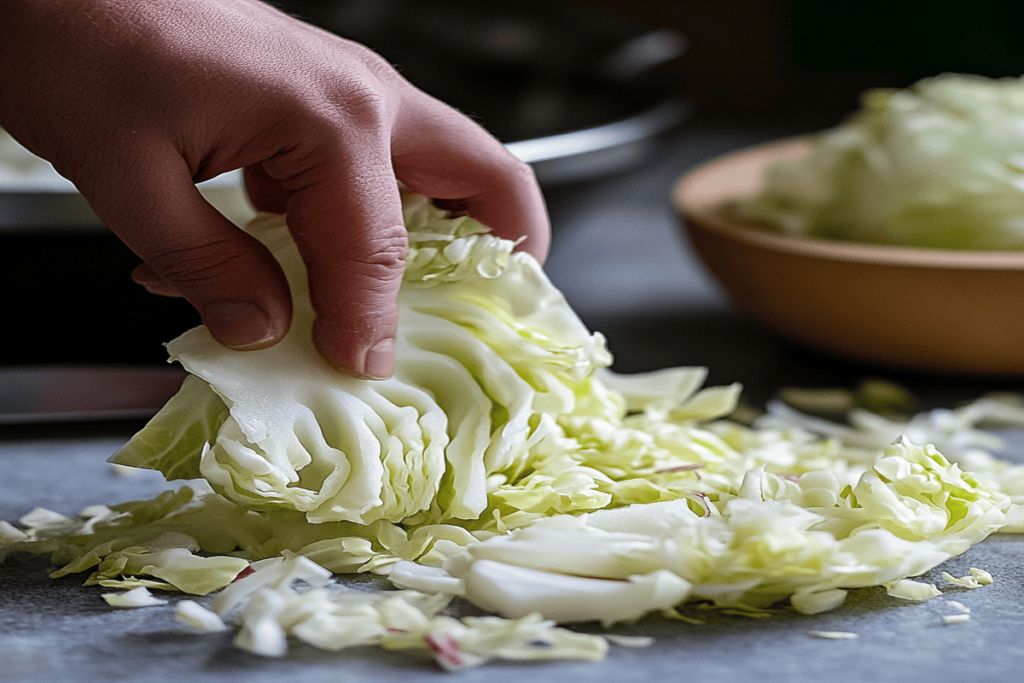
[136, 597]
[976, 579]
[290, 596]
[504, 463]
[833, 635]
[907, 589]
[774, 540]
[953, 432]
[939, 165]
[198, 617]
[489, 353]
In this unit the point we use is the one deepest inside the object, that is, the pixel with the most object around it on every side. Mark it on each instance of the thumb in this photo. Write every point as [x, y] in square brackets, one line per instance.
[230, 278]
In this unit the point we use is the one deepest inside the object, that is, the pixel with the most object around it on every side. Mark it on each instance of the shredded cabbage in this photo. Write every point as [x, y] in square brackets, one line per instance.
[976, 579]
[290, 596]
[833, 635]
[136, 597]
[939, 164]
[198, 617]
[773, 539]
[506, 464]
[908, 589]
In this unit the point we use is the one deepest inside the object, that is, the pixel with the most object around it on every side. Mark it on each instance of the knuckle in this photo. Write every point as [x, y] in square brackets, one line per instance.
[205, 264]
[381, 256]
[347, 127]
[363, 106]
[365, 274]
[332, 105]
[363, 94]
[352, 99]
[375, 261]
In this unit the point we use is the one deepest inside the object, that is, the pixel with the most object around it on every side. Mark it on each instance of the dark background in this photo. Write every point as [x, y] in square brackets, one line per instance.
[752, 57]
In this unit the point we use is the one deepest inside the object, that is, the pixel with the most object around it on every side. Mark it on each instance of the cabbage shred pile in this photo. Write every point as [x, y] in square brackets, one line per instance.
[937, 165]
[504, 463]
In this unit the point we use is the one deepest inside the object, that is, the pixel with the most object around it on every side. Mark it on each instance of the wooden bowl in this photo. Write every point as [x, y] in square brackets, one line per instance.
[926, 309]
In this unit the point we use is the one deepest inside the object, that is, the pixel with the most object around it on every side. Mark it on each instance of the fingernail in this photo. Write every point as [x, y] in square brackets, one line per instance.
[239, 325]
[379, 362]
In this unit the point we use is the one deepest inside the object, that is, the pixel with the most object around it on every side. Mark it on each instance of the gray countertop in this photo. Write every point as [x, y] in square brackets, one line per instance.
[619, 257]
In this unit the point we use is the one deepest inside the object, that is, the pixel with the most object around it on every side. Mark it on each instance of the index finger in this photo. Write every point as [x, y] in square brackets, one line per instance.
[442, 154]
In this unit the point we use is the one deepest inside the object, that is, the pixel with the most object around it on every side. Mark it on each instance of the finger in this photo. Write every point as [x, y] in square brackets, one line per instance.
[147, 277]
[265, 193]
[346, 217]
[441, 153]
[228, 276]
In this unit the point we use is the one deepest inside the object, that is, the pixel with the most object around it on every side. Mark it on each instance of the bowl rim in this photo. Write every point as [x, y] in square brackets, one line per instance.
[690, 197]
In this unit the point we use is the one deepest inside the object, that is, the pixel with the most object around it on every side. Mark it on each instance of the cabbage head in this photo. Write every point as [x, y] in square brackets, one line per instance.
[489, 355]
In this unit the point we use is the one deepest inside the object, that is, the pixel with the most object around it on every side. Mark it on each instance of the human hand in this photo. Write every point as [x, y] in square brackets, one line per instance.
[134, 102]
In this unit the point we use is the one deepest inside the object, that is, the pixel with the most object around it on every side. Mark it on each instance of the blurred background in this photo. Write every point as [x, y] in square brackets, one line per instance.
[607, 98]
[754, 57]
